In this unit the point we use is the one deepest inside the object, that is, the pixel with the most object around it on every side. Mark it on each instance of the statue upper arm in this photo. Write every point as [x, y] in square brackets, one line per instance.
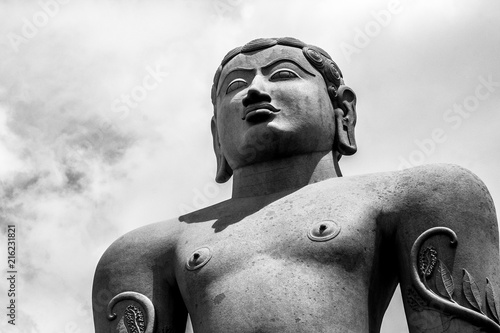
[447, 238]
[134, 282]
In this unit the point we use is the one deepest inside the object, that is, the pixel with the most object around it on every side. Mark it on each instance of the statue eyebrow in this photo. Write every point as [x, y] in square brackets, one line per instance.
[269, 65]
[240, 69]
[274, 62]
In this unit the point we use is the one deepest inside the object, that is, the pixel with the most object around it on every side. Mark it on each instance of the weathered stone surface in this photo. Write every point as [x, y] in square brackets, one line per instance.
[298, 248]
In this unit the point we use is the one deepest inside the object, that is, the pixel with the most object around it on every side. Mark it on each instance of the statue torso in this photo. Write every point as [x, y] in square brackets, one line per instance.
[266, 275]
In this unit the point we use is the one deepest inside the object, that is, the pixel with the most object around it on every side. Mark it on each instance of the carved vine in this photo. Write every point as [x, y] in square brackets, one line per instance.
[423, 264]
[134, 318]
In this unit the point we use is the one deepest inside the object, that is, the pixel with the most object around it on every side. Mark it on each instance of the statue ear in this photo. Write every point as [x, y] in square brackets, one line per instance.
[345, 119]
[224, 171]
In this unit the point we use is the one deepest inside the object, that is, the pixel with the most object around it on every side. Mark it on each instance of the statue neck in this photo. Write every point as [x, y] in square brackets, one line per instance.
[284, 174]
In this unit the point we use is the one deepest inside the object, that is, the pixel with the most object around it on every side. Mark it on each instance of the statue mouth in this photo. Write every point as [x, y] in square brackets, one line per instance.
[259, 112]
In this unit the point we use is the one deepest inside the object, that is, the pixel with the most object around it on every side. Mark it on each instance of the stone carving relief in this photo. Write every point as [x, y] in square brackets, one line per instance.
[426, 266]
[135, 320]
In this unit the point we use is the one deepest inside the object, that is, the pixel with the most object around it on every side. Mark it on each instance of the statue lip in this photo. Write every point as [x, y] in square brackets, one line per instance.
[259, 111]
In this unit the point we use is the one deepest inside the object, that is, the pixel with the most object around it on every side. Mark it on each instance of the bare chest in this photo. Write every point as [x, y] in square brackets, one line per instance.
[290, 232]
[299, 257]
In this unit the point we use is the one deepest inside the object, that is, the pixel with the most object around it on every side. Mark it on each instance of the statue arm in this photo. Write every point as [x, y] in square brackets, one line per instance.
[447, 239]
[134, 286]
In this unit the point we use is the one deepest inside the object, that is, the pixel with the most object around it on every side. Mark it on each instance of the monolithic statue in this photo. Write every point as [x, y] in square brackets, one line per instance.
[298, 248]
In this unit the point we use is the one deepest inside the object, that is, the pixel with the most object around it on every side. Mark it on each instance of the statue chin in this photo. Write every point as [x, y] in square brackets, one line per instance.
[286, 137]
[268, 145]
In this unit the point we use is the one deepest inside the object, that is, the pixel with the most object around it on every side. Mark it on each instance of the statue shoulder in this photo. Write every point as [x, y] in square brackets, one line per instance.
[145, 245]
[439, 178]
[443, 186]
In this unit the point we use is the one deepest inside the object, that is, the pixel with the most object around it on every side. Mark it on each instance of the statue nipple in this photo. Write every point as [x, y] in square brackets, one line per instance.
[198, 258]
[323, 231]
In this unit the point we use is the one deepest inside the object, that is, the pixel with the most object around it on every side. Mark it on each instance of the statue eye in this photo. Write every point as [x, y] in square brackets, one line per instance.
[283, 74]
[235, 84]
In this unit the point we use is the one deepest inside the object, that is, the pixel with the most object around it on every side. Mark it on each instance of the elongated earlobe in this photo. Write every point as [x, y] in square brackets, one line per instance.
[345, 119]
[224, 171]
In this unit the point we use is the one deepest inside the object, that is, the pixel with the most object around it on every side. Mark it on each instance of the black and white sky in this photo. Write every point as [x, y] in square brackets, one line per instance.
[105, 116]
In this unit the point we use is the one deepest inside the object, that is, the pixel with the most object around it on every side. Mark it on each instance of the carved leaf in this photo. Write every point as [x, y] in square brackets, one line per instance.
[134, 319]
[444, 281]
[427, 261]
[492, 299]
[471, 291]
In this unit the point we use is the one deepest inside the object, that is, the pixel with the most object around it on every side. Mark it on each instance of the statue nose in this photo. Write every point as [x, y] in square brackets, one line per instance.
[255, 96]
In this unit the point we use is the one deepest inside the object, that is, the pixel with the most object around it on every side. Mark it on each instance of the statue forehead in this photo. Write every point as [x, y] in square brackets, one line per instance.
[264, 57]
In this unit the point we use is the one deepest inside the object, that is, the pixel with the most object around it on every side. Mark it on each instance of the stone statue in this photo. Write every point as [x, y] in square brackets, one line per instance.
[298, 248]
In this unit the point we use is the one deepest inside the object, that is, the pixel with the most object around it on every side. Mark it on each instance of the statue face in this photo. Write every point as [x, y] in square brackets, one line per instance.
[272, 103]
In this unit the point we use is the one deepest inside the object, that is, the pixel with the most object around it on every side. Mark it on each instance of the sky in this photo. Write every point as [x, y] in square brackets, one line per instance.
[105, 116]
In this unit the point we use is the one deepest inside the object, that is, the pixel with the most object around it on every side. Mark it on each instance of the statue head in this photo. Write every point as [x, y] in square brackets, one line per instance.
[276, 97]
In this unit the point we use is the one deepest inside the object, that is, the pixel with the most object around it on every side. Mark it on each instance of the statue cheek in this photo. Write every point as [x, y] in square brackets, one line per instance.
[282, 97]
[228, 115]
